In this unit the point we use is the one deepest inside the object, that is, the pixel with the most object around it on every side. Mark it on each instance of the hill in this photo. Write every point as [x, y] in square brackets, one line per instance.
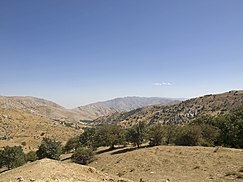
[50, 170]
[95, 110]
[22, 128]
[178, 113]
[173, 163]
[39, 107]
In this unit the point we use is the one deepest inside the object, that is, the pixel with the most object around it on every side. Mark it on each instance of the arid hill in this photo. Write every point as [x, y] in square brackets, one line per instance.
[22, 128]
[173, 163]
[178, 113]
[52, 171]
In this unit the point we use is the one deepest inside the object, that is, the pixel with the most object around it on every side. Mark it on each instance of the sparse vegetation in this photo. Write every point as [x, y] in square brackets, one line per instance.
[49, 148]
[83, 155]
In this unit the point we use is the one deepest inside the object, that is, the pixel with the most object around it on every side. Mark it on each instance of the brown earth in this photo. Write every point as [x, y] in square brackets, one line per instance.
[47, 170]
[20, 128]
[173, 163]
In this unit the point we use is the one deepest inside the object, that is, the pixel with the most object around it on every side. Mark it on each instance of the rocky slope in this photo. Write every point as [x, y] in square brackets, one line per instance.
[180, 112]
[49, 170]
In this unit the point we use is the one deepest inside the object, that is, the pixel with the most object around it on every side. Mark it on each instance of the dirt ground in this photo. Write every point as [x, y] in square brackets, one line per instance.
[172, 163]
[47, 170]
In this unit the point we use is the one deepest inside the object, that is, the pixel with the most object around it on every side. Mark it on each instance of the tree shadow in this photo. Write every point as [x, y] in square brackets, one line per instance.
[128, 150]
[108, 150]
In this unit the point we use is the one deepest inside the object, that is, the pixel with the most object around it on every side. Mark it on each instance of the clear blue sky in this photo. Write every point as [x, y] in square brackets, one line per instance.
[76, 52]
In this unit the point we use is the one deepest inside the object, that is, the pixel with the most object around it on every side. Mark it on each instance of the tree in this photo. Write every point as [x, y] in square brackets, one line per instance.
[87, 138]
[12, 157]
[137, 134]
[110, 135]
[190, 135]
[156, 134]
[83, 155]
[49, 148]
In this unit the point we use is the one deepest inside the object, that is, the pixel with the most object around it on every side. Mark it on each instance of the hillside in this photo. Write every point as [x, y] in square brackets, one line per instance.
[18, 127]
[173, 163]
[39, 107]
[178, 113]
[53, 111]
[49, 170]
[95, 110]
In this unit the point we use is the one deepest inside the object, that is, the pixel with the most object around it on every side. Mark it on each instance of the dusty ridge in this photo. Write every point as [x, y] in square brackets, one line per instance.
[55, 171]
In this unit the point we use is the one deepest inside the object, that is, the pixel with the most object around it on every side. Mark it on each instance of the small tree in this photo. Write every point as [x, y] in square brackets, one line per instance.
[137, 134]
[49, 148]
[83, 155]
[12, 157]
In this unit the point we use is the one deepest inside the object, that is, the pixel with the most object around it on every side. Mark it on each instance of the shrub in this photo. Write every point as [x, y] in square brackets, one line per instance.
[83, 155]
[31, 156]
[12, 157]
[49, 148]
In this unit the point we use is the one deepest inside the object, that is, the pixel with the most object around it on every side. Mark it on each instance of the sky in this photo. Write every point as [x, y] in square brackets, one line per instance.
[76, 52]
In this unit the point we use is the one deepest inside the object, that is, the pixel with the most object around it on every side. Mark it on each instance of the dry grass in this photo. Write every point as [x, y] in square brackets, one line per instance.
[175, 163]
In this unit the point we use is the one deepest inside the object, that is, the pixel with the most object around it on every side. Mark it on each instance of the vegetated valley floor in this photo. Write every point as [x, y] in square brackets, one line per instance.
[173, 163]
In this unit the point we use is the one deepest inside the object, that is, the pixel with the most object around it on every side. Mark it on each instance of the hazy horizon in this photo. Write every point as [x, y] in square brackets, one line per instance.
[79, 52]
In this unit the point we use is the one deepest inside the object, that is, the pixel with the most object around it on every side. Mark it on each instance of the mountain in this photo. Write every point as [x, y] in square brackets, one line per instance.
[40, 107]
[95, 110]
[178, 113]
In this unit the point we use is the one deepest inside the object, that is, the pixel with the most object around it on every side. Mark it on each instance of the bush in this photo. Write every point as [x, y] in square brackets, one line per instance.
[49, 148]
[31, 156]
[83, 156]
[12, 157]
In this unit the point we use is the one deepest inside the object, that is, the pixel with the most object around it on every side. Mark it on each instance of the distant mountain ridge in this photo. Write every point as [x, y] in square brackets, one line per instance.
[51, 110]
[178, 113]
[124, 104]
